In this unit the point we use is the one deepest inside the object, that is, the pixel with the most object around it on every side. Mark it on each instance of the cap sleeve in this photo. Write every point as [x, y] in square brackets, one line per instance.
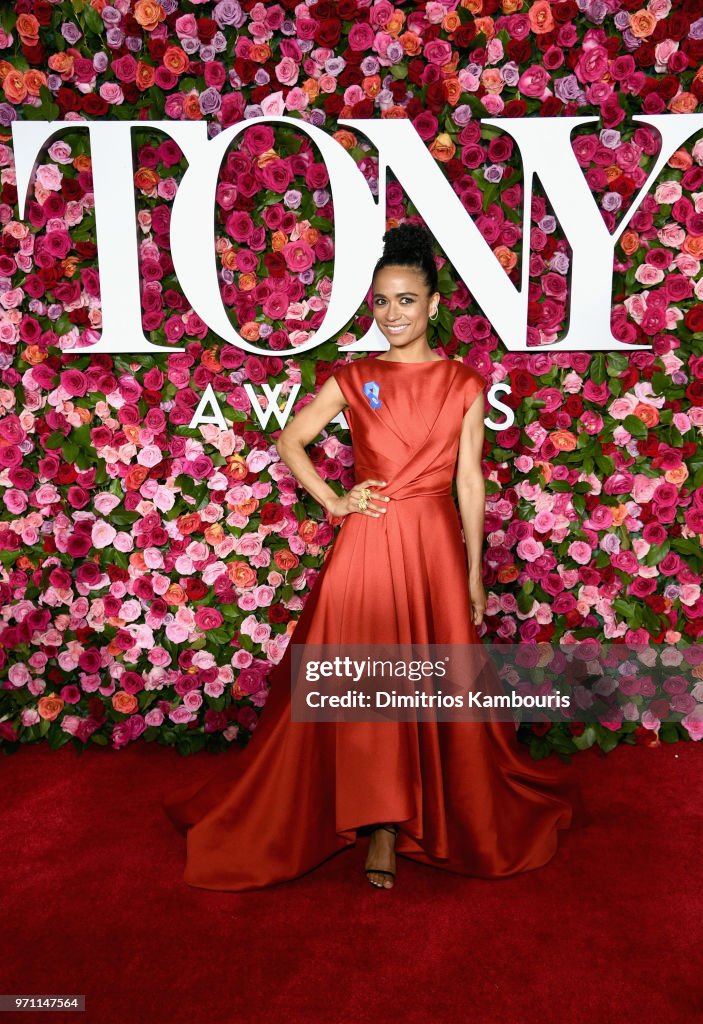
[343, 377]
[474, 385]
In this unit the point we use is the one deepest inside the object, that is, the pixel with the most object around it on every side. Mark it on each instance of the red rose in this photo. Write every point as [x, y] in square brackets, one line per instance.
[278, 613]
[196, 589]
[94, 105]
[206, 29]
[694, 319]
[328, 33]
[464, 35]
[67, 100]
[271, 513]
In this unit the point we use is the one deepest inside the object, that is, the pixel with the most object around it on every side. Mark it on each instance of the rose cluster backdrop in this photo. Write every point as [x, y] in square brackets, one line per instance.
[152, 574]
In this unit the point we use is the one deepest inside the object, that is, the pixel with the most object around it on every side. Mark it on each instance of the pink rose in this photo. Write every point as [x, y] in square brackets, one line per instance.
[208, 618]
[298, 255]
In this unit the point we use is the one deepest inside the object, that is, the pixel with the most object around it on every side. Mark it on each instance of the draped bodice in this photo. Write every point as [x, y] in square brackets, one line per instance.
[405, 421]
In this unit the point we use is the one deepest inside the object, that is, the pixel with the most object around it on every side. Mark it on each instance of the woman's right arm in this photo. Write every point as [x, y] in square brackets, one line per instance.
[304, 428]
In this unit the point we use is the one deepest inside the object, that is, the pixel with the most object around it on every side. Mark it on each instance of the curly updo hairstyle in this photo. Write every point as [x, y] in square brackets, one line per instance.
[410, 245]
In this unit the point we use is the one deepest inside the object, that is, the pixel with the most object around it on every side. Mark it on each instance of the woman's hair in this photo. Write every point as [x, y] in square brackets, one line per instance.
[410, 245]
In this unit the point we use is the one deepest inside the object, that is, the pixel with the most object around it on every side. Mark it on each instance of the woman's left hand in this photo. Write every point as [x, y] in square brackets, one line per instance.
[478, 601]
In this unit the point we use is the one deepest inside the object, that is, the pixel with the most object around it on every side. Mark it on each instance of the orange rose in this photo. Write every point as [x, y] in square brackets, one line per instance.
[681, 160]
[131, 432]
[451, 22]
[146, 179]
[82, 162]
[241, 574]
[371, 86]
[28, 29]
[145, 76]
[191, 107]
[69, 266]
[308, 531]
[511, 6]
[563, 440]
[278, 240]
[285, 559]
[475, 6]
[684, 103]
[619, 514]
[630, 242]
[486, 26]
[492, 81]
[214, 534]
[395, 23]
[260, 53]
[135, 477]
[647, 413]
[506, 257]
[237, 468]
[5, 69]
[62, 63]
[50, 707]
[210, 361]
[247, 282]
[34, 355]
[267, 157]
[229, 259]
[136, 560]
[612, 173]
[250, 331]
[345, 138]
[677, 476]
[175, 60]
[411, 43]
[125, 703]
[443, 148]
[175, 595]
[189, 523]
[540, 15]
[453, 89]
[34, 80]
[642, 24]
[246, 508]
[14, 87]
[311, 88]
[693, 245]
[311, 236]
[546, 470]
[148, 14]
[395, 113]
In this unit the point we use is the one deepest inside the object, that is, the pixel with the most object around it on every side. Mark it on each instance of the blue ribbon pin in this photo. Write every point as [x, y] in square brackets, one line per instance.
[371, 390]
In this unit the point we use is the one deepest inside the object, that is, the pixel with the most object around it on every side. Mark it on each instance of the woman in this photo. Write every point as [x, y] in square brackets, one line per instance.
[464, 796]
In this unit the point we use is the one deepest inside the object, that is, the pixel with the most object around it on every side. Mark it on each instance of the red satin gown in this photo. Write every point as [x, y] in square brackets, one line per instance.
[467, 796]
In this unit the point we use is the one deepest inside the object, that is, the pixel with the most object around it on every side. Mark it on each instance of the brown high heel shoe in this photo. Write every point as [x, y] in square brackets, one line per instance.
[380, 871]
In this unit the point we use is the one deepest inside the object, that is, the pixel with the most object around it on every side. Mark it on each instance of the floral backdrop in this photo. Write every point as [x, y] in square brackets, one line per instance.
[151, 574]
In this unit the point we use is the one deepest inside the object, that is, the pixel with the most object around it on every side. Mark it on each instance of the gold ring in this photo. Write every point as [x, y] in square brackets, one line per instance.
[364, 495]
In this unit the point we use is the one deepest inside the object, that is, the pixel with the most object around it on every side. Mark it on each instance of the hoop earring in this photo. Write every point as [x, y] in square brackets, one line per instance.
[436, 314]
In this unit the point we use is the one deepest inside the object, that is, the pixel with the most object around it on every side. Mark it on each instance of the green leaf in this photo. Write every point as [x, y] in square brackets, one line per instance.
[633, 425]
[93, 20]
[668, 733]
[54, 440]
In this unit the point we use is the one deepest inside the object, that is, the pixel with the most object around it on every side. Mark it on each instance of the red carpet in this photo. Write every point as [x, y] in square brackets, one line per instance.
[93, 903]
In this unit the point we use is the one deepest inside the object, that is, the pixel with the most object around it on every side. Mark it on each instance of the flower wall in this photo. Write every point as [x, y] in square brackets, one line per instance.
[150, 573]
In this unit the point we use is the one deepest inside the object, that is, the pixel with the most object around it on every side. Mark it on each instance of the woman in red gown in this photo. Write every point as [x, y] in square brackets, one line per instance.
[459, 795]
